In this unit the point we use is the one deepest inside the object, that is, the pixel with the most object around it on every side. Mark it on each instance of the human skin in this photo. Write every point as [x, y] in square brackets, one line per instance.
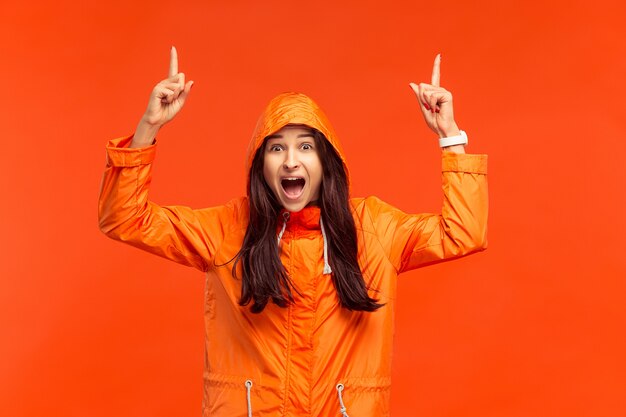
[166, 100]
[288, 154]
[436, 106]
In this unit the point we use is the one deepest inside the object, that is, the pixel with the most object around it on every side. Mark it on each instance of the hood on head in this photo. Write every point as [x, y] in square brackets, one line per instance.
[291, 108]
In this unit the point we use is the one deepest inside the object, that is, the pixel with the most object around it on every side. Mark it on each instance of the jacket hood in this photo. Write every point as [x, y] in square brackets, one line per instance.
[292, 108]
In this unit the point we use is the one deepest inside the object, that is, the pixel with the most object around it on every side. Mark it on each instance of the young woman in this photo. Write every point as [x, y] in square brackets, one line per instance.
[300, 278]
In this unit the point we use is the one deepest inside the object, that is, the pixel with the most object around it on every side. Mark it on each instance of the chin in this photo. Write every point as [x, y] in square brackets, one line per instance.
[294, 207]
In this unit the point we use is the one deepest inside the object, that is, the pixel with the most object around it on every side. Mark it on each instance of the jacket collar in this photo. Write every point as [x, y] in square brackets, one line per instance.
[306, 219]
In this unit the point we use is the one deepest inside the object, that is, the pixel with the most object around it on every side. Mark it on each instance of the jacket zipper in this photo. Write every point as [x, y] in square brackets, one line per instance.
[289, 324]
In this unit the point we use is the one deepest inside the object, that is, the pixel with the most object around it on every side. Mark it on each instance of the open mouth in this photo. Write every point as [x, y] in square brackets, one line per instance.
[293, 186]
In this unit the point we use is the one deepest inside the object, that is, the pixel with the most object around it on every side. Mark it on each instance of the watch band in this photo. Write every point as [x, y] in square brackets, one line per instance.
[453, 140]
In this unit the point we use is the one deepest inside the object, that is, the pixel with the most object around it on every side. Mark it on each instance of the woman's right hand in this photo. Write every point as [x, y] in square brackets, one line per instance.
[166, 100]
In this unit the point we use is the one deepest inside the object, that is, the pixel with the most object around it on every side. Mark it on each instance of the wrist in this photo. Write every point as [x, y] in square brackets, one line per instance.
[460, 139]
[144, 134]
[452, 130]
[454, 149]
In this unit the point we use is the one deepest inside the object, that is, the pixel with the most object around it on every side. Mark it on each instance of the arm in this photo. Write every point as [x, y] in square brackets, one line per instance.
[190, 237]
[461, 228]
[414, 240]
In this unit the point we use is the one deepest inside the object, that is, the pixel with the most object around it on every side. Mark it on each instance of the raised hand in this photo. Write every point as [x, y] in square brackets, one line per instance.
[166, 100]
[436, 103]
[168, 96]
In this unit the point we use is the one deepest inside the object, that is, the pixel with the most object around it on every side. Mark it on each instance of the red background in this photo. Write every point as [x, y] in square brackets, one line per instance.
[534, 326]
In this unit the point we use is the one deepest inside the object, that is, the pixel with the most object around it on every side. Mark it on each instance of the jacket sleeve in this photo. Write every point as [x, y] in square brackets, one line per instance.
[414, 240]
[187, 236]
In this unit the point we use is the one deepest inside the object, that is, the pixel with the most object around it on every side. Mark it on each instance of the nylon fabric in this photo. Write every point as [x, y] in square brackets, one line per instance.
[295, 357]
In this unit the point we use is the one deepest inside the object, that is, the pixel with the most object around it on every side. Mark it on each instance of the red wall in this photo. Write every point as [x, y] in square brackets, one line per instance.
[534, 326]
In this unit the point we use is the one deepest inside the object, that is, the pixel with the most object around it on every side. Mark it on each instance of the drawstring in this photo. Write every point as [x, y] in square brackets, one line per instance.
[327, 269]
[286, 219]
[343, 410]
[248, 386]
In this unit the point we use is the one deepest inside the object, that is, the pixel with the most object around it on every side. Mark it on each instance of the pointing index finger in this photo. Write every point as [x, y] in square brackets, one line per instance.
[436, 77]
[173, 62]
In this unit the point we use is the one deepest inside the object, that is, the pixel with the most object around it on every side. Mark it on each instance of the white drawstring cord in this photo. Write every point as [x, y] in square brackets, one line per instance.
[327, 269]
[248, 387]
[286, 219]
[344, 411]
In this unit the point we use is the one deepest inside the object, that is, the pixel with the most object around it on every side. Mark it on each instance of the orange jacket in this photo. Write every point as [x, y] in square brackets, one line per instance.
[312, 358]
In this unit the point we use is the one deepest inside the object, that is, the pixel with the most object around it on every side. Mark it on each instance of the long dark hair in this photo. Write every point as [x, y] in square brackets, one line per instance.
[264, 275]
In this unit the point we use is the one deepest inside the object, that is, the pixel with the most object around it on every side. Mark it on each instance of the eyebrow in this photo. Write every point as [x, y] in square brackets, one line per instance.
[301, 135]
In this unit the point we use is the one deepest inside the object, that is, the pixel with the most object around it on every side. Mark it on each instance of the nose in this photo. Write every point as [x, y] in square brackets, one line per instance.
[291, 160]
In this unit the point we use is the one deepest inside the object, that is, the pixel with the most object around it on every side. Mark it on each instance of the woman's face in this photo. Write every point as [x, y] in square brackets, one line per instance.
[292, 168]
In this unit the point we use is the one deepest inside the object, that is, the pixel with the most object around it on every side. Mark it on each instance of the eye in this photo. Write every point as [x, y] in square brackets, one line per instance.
[275, 148]
[306, 146]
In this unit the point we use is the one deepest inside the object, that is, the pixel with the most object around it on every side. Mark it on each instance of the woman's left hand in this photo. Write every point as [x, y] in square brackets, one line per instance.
[436, 104]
